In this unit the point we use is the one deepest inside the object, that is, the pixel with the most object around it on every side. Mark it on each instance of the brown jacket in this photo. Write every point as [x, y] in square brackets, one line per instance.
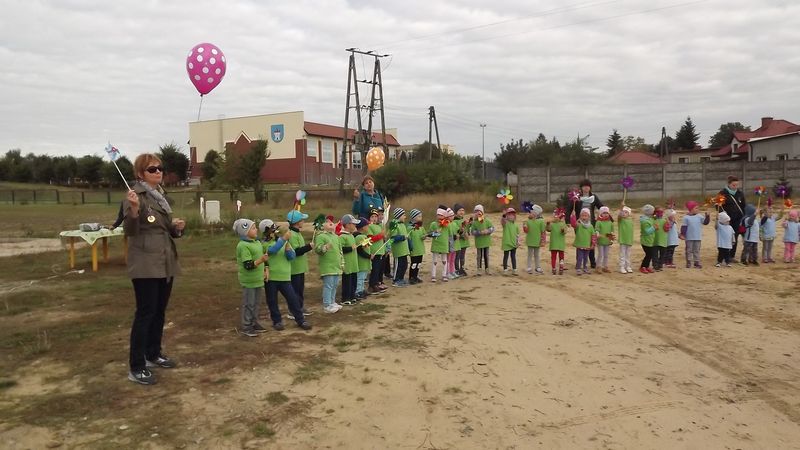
[151, 246]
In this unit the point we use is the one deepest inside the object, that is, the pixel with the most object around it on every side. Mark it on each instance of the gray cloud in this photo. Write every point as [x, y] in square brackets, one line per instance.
[89, 72]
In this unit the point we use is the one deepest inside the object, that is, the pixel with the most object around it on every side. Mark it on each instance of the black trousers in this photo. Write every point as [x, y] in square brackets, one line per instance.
[387, 267]
[461, 256]
[400, 266]
[349, 286]
[152, 297]
[299, 286]
[724, 255]
[286, 289]
[413, 272]
[376, 274]
[658, 256]
[648, 256]
[592, 261]
[513, 254]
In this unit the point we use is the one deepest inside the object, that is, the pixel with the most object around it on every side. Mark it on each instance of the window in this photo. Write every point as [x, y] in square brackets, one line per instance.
[327, 151]
[783, 156]
[356, 158]
[311, 147]
[705, 159]
[735, 147]
[683, 160]
[761, 158]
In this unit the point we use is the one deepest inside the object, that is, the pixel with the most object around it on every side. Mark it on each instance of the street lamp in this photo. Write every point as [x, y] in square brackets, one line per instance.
[483, 149]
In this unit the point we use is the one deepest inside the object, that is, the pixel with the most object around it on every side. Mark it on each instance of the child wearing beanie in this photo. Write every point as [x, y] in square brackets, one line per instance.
[791, 235]
[281, 254]
[604, 227]
[451, 245]
[647, 228]
[585, 237]
[625, 225]
[768, 231]
[439, 231]
[462, 238]
[398, 233]
[724, 239]
[350, 255]
[377, 251]
[416, 245]
[363, 243]
[535, 237]
[752, 227]
[482, 229]
[558, 231]
[660, 239]
[250, 259]
[672, 239]
[692, 232]
[510, 239]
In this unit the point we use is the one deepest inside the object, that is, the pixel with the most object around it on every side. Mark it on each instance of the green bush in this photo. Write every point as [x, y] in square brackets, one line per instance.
[397, 179]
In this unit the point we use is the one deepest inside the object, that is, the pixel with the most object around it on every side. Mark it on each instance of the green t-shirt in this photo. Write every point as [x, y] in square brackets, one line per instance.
[533, 238]
[441, 243]
[330, 261]
[603, 229]
[280, 268]
[364, 264]
[558, 236]
[416, 237]
[377, 247]
[625, 231]
[583, 235]
[400, 248]
[250, 251]
[510, 235]
[299, 263]
[346, 240]
[482, 240]
[647, 228]
[660, 238]
[461, 233]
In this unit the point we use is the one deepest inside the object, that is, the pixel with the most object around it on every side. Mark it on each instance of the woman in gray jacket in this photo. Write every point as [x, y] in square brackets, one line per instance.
[152, 265]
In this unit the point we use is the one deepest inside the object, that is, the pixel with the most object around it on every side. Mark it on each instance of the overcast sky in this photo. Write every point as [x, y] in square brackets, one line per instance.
[76, 74]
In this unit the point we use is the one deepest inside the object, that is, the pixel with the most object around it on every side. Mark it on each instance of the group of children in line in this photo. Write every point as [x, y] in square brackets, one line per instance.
[355, 251]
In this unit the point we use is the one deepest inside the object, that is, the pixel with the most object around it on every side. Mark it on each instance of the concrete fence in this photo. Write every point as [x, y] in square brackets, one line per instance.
[546, 184]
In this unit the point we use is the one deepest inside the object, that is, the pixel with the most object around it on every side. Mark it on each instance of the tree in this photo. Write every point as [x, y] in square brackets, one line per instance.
[511, 156]
[65, 168]
[724, 135]
[687, 136]
[427, 151]
[90, 169]
[113, 177]
[212, 166]
[244, 171]
[175, 162]
[614, 143]
[634, 144]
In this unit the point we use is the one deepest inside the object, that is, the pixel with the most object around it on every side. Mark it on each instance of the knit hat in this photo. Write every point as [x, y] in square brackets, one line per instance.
[295, 216]
[749, 210]
[648, 209]
[691, 204]
[724, 218]
[241, 226]
[670, 212]
[478, 208]
[604, 209]
[397, 213]
[265, 224]
[348, 219]
[626, 209]
[457, 206]
[414, 213]
[537, 210]
[441, 212]
[587, 211]
[362, 223]
[450, 212]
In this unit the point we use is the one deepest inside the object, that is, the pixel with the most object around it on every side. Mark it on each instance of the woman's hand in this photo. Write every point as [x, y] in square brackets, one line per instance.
[133, 199]
[179, 224]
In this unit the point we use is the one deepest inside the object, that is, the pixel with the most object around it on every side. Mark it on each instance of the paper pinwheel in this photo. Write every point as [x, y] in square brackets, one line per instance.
[505, 196]
[299, 199]
[319, 222]
[527, 206]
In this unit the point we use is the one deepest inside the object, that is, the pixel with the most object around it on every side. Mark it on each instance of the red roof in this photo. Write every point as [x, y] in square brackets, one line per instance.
[320, 129]
[769, 127]
[635, 157]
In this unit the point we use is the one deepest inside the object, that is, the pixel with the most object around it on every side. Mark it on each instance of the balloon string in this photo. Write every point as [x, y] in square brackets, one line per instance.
[201, 107]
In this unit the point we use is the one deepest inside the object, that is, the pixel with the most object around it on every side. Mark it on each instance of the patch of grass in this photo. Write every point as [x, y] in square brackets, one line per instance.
[277, 398]
[343, 345]
[372, 308]
[317, 367]
[366, 380]
[453, 390]
[223, 380]
[7, 384]
[398, 342]
[262, 430]
[40, 345]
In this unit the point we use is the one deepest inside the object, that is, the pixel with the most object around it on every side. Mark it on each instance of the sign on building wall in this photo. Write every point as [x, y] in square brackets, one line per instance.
[277, 132]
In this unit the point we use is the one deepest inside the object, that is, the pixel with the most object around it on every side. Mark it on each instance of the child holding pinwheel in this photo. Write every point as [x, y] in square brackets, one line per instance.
[377, 250]
[281, 255]
[416, 245]
[510, 239]
[692, 232]
[791, 235]
[482, 229]
[329, 250]
[363, 243]
[462, 239]
[752, 229]
[625, 226]
[647, 229]
[535, 236]
[296, 220]
[350, 255]
[398, 235]
[604, 227]
[451, 245]
[585, 240]
[558, 232]
[439, 231]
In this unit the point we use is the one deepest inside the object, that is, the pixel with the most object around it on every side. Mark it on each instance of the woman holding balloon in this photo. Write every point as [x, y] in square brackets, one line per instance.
[366, 198]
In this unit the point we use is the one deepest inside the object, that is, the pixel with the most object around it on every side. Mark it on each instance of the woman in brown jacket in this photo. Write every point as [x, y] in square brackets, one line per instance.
[152, 265]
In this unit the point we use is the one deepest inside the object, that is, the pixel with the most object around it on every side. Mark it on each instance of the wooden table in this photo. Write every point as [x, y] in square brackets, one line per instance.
[92, 238]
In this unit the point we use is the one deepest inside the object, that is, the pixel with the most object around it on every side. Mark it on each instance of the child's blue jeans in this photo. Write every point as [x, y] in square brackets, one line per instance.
[329, 284]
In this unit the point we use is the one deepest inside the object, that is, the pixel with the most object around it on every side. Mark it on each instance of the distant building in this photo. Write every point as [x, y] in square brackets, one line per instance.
[299, 151]
[635, 157]
[775, 139]
[694, 155]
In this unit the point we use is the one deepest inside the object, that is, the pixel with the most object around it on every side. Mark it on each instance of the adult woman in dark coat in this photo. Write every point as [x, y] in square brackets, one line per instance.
[152, 265]
[734, 206]
[588, 200]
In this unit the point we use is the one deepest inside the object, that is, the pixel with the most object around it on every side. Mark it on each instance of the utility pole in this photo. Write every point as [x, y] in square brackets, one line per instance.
[664, 150]
[362, 139]
[432, 123]
[483, 149]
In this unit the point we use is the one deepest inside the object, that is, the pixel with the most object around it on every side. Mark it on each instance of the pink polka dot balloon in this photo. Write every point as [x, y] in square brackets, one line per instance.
[206, 67]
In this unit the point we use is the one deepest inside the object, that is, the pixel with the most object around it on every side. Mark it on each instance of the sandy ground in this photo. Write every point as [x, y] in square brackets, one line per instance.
[682, 359]
[12, 247]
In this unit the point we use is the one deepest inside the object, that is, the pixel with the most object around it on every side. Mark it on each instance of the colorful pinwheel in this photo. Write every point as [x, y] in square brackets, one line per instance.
[760, 191]
[527, 206]
[626, 184]
[781, 190]
[787, 203]
[319, 221]
[505, 196]
[299, 199]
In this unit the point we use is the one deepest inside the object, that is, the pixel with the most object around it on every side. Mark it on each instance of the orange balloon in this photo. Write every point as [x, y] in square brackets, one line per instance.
[375, 158]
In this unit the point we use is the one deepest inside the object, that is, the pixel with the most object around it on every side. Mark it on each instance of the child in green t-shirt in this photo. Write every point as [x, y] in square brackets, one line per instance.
[439, 231]
[647, 227]
[281, 255]
[535, 237]
[327, 246]
[558, 240]
[510, 239]
[250, 259]
[398, 234]
[377, 251]
[584, 240]
[482, 228]
[462, 238]
[364, 258]
[604, 228]
[660, 239]
[350, 256]
[416, 245]
[625, 225]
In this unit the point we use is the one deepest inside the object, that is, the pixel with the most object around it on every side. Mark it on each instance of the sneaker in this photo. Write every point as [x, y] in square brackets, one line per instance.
[433, 279]
[360, 295]
[143, 376]
[728, 265]
[160, 361]
[605, 269]
[249, 333]
[643, 270]
[629, 270]
[539, 271]
[399, 284]
[554, 271]
[330, 309]
[445, 279]
[717, 265]
[259, 329]
[464, 273]
[348, 302]
[514, 272]
[375, 291]
[278, 326]
[418, 280]
[578, 273]
[383, 287]
[290, 316]
[587, 272]
[306, 312]
[622, 270]
[698, 266]
[412, 281]
[304, 325]
[688, 265]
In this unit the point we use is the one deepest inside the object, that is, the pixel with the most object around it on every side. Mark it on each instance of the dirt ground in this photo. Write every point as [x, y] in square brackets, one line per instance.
[684, 358]
[13, 247]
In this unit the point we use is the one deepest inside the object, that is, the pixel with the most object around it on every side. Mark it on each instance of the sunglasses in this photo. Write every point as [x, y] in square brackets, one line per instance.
[154, 169]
